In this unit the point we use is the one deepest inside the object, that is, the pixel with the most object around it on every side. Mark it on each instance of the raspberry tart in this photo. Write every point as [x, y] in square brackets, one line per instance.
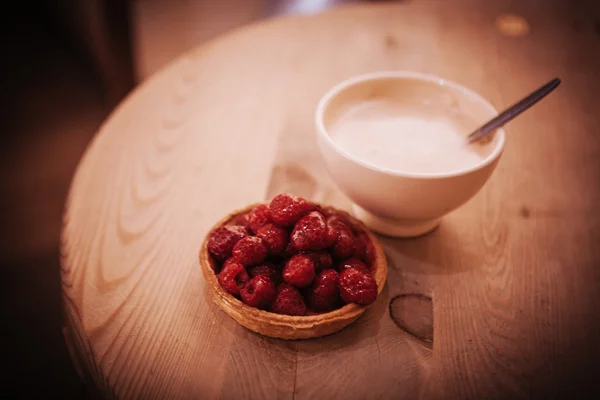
[293, 269]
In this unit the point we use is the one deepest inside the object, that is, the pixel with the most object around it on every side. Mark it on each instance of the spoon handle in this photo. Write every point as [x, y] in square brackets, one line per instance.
[514, 110]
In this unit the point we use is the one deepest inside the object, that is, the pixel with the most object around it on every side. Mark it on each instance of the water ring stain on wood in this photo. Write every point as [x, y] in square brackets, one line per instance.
[413, 313]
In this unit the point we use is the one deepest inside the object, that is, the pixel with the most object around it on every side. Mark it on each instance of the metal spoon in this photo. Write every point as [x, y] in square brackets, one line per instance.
[513, 111]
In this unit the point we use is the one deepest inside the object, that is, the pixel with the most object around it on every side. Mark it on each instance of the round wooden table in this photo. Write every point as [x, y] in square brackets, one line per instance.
[499, 302]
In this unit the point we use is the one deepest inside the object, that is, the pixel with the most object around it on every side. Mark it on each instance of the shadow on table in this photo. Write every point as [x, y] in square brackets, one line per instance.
[441, 252]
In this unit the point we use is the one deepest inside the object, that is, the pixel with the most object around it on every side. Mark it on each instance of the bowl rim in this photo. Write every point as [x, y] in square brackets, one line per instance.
[321, 131]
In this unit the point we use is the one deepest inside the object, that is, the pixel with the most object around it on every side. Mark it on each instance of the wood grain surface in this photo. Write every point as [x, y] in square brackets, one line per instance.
[498, 302]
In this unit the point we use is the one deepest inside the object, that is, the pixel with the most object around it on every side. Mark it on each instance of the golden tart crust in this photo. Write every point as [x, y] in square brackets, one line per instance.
[287, 326]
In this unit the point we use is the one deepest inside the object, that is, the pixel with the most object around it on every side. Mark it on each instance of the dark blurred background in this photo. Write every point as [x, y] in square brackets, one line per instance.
[65, 65]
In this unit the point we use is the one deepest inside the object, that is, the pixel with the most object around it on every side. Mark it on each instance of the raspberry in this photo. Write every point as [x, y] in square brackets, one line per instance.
[343, 246]
[250, 250]
[357, 286]
[258, 217]
[275, 238]
[288, 301]
[258, 292]
[299, 271]
[369, 253]
[286, 209]
[360, 246]
[325, 290]
[233, 276]
[332, 235]
[322, 259]
[363, 248]
[268, 270]
[310, 233]
[222, 239]
[351, 263]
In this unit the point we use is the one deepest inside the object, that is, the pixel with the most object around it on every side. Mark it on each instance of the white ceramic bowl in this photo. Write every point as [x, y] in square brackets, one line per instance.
[396, 203]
